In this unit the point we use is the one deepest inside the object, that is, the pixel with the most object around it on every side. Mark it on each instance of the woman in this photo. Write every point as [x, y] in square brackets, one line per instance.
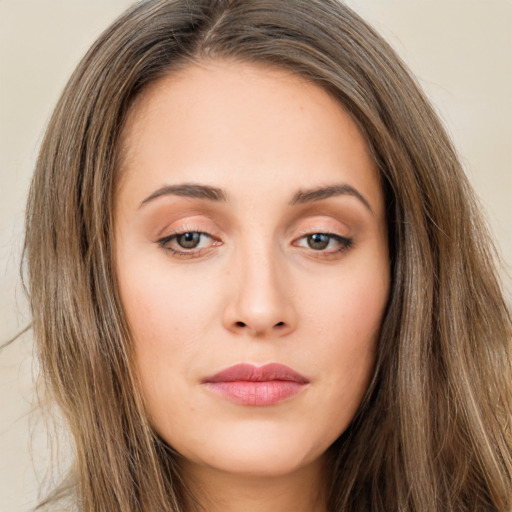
[270, 285]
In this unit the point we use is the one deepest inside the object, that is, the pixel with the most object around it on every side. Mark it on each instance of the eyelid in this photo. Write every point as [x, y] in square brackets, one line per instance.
[327, 228]
[187, 221]
[344, 240]
[188, 228]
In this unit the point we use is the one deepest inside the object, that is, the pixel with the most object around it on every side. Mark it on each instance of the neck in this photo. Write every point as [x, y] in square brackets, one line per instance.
[216, 491]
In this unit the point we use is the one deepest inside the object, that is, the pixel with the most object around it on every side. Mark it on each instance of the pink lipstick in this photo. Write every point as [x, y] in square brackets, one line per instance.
[247, 384]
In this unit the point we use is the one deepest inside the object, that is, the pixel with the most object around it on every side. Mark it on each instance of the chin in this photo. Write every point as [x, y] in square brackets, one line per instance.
[265, 454]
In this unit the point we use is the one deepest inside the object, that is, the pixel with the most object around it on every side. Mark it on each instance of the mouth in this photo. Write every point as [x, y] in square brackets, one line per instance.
[246, 384]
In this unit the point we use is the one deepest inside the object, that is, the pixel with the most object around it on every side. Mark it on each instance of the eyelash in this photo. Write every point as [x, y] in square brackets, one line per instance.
[345, 244]
[193, 253]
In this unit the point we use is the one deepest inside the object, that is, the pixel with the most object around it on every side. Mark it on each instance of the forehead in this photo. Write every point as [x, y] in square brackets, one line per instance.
[218, 120]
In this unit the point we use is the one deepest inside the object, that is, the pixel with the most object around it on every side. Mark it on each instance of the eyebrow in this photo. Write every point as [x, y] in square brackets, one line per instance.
[317, 194]
[188, 190]
[210, 193]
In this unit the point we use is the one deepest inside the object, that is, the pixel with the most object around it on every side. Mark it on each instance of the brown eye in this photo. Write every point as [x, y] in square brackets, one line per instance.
[318, 241]
[188, 243]
[326, 244]
[188, 240]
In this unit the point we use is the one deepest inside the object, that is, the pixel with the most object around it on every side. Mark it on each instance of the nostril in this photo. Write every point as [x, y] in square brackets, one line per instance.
[243, 324]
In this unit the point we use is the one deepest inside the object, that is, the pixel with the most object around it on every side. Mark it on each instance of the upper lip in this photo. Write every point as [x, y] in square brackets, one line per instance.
[252, 373]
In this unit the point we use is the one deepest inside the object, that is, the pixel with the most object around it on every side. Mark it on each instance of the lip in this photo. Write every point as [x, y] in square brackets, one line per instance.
[247, 384]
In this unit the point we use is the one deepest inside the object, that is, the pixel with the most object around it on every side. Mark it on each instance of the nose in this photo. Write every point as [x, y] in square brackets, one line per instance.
[260, 303]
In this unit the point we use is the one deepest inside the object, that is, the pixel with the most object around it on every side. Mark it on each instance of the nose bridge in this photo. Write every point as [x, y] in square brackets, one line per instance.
[258, 276]
[260, 303]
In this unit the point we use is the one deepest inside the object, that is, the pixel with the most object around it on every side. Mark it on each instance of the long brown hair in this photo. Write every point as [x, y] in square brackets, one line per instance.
[434, 430]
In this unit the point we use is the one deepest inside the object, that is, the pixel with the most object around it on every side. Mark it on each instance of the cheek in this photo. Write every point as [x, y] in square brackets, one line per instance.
[170, 318]
[163, 307]
[348, 309]
[345, 322]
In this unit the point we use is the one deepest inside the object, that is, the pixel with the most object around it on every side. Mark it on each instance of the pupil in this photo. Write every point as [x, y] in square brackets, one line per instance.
[318, 241]
[188, 240]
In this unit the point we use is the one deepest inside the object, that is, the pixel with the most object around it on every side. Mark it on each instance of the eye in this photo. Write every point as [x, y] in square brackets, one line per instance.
[187, 244]
[189, 240]
[325, 242]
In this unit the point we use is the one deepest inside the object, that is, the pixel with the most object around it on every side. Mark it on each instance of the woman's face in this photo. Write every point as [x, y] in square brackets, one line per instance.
[250, 229]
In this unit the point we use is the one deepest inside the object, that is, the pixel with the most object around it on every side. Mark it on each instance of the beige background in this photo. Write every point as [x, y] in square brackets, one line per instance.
[461, 50]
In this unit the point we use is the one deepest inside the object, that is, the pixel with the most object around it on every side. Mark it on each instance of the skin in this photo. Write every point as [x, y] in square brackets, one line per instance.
[254, 290]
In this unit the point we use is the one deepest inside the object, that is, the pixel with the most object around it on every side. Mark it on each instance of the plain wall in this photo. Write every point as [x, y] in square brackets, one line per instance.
[461, 51]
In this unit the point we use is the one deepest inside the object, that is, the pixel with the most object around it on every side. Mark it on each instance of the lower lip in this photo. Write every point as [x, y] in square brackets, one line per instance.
[256, 393]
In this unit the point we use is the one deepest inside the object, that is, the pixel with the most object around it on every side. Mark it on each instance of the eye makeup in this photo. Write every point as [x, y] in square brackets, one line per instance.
[188, 240]
[191, 232]
[189, 243]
